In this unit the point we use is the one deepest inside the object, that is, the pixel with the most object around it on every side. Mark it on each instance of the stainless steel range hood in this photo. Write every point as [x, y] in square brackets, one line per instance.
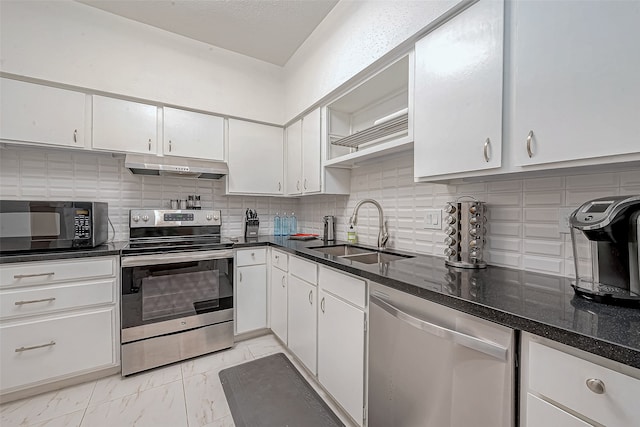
[140, 164]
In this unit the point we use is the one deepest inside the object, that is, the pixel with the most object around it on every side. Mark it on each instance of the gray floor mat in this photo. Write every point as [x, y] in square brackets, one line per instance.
[270, 392]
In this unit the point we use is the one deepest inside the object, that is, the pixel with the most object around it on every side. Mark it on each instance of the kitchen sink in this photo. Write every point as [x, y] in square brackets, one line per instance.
[342, 250]
[360, 254]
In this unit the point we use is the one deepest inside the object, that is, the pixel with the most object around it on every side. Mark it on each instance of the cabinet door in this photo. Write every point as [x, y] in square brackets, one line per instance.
[36, 113]
[251, 298]
[303, 326]
[311, 152]
[43, 348]
[458, 93]
[278, 304]
[190, 134]
[575, 84]
[294, 158]
[126, 126]
[341, 353]
[255, 158]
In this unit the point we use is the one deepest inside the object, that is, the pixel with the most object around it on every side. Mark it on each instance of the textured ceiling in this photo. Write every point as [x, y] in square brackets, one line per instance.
[269, 30]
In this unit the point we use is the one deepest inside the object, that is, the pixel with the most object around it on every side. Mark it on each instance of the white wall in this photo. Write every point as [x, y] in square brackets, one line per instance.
[70, 43]
[353, 36]
[522, 220]
[34, 173]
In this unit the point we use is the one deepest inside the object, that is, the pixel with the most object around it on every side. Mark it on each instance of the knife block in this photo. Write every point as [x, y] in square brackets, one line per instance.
[251, 228]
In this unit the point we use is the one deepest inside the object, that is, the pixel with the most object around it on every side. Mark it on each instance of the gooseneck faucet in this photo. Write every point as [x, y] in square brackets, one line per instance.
[383, 236]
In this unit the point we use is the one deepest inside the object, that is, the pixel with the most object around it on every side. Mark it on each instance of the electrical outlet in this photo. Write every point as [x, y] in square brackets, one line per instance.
[433, 219]
[563, 219]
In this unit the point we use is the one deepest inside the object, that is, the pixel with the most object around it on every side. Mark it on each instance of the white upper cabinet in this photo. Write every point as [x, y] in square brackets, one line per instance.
[190, 134]
[575, 84]
[126, 126]
[294, 158]
[303, 155]
[41, 114]
[256, 158]
[311, 152]
[458, 93]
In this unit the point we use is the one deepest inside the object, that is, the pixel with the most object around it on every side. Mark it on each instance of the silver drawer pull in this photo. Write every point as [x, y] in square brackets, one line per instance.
[311, 297]
[24, 276]
[595, 385]
[34, 301]
[75, 135]
[283, 281]
[21, 349]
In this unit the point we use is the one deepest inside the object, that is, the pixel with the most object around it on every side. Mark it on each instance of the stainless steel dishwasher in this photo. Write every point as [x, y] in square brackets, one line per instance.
[432, 366]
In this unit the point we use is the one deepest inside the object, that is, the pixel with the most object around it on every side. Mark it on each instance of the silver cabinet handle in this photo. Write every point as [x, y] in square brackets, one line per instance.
[529, 138]
[486, 347]
[23, 276]
[305, 183]
[253, 254]
[322, 304]
[169, 145]
[283, 281]
[34, 301]
[21, 349]
[277, 257]
[143, 260]
[311, 297]
[149, 144]
[279, 186]
[485, 150]
[298, 185]
[240, 276]
[75, 135]
[595, 385]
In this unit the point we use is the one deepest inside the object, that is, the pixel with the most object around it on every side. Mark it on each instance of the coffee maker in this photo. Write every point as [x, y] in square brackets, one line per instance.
[604, 235]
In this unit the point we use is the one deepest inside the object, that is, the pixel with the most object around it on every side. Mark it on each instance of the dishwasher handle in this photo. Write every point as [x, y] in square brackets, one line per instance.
[494, 350]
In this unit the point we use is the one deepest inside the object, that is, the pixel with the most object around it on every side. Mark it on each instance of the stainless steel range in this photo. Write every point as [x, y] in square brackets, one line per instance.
[177, 288]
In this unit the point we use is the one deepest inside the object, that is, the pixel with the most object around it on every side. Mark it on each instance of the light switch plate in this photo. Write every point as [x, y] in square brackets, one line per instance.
[563, 219]
[433, 219]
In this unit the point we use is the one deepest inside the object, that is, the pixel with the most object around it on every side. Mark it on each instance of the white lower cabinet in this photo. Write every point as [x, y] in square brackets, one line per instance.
[58, 321]
[278, 306]
[563, 386]
[341, 339]
[50, 347]
[303, 326]
[251, 290]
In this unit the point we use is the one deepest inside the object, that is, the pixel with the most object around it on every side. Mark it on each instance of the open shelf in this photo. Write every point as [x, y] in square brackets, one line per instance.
[373, 117]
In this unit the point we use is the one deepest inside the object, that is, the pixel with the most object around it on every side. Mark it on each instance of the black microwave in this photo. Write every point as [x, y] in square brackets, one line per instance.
[45, 225]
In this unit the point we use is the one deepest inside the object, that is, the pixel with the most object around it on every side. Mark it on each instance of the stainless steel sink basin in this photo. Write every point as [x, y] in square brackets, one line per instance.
[342, 250]
[360, 254]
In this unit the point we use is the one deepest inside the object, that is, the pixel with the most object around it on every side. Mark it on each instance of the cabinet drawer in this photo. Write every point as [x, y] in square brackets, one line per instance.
[544, 414]
[563, 378]
[251, 257]
[37, 273]
[55, 346]
[347, 287]
[305, 270]
[279, 259]
[46, 299]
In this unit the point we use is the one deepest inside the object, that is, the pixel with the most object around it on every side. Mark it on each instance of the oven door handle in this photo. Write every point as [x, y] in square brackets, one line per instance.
[156, 259]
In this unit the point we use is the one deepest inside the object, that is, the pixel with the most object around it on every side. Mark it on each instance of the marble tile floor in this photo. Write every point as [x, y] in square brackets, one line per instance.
[187, 394]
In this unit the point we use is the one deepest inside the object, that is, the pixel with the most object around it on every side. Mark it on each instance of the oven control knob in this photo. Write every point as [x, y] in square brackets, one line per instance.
[145, 218]
[209, 217]
[216, 216]
[135, 218]
[449, 241]
[450, 230]
[449, 252]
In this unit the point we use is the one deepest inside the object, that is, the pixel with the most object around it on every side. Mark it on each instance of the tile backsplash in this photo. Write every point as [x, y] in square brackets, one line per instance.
[523, 214]
[46, 174]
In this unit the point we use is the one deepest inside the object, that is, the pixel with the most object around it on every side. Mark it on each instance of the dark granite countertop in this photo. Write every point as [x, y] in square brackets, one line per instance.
[113, 248]
[541, 304]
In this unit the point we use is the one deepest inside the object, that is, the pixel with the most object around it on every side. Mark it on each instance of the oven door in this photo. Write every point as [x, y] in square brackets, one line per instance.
[173, 292]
